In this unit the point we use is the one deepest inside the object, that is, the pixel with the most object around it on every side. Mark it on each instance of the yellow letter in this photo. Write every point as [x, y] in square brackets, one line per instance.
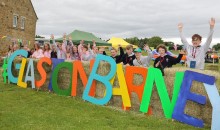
[21, 73]
[122, 90]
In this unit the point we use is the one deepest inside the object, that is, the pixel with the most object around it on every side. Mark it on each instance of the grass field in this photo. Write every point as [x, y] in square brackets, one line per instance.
[28, 109]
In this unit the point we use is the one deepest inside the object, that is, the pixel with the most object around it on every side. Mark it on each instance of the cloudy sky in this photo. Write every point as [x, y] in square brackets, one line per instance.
[128, 18]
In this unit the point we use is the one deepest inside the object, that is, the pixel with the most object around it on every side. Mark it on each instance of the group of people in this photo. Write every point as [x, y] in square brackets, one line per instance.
[84, 52]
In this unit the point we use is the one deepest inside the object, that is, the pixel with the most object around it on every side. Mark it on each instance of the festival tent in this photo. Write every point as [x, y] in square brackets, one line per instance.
[77, 36]
[116, 41]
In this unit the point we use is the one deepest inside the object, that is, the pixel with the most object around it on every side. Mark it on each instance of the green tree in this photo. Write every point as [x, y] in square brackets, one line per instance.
[217, 47]
[155, 41]
[133, 40]
[38, 36]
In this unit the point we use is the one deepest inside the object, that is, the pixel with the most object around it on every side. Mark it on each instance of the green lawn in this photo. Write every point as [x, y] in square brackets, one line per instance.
[28, 109]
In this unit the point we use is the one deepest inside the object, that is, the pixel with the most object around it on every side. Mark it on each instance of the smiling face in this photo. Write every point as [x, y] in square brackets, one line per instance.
[137, 55]
[36, 46]
[113, 52]
[74, 49]
[161, 51]
[84, 48]
[46, 47]
[54, 47]
[96, 50]
[129, 51]
[60, 46]
[196, 40]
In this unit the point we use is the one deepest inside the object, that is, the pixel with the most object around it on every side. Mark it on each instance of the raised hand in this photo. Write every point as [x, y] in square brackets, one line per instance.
[94, 44]
[88, 45]
[64, 36]
[182, 52]
[52, 36]
[180, 27]
[146, 47]
[212, 23]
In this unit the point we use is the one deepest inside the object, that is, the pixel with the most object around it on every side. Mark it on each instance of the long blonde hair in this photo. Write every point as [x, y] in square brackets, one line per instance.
[48, 46]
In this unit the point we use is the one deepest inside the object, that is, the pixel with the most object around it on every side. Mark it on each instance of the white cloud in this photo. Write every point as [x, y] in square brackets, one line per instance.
[127, 18]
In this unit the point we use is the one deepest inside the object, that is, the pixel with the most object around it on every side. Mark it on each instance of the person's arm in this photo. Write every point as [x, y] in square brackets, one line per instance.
[70, 41]
[174, 60]
[123, 59]
[157, 63]
[94, 44]
[54, 43]
[90, 51]
[183, 38]
[80, 49]
[209, 39]
[121, 51]
[64, 44]
[150, 54]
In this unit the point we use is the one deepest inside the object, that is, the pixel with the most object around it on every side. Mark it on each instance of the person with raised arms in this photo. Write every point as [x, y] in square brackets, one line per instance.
[128, 58]
[86, 54]
[114, 54]
[196, 52]
[61, 47]
[140, 60]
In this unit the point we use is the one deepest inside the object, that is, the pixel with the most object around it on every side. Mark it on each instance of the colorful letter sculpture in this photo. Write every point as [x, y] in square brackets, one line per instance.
[104, 79]
[12, 57]
[185, 95]
[155, 75]
[55, 86]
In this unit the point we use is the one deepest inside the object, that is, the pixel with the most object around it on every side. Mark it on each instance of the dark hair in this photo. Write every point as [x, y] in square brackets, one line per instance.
[85, 46]
[196, 37]
[9, 48]
[161, 46]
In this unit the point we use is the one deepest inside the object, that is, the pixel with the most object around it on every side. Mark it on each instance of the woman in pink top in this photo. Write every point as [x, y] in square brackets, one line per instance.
[86, 53]
[75, 54]
[47, 50]
[38, 53]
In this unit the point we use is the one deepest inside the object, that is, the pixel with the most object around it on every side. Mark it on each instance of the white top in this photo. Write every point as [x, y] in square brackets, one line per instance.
[198, 51]
[144, 60]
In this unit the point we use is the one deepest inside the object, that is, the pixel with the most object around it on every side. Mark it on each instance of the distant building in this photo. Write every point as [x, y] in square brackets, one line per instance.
[17, 21]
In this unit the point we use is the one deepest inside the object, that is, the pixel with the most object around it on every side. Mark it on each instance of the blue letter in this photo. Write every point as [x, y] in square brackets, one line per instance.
[104, 79]
[30, 78]
[185, 95]
[55, 62]
[215, 101]
[11, 58]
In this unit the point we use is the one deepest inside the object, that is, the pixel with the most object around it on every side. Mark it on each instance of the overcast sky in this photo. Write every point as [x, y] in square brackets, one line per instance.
[127, 18]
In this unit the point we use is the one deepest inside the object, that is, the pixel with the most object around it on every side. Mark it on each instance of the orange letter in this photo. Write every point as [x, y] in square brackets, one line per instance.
[138, 89]
[42, 72]
[78, 67]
